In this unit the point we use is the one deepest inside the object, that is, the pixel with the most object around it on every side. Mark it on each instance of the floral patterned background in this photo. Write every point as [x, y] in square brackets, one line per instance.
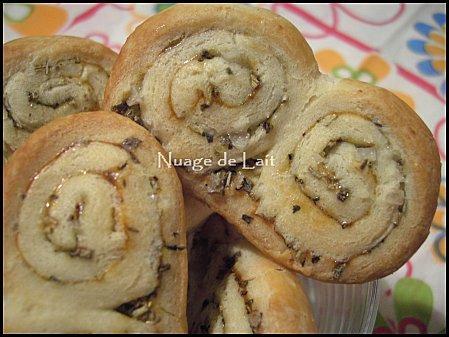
[401, 47]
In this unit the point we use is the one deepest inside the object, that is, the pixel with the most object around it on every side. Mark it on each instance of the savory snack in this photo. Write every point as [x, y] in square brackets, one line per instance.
[47, 77]
[326, 176]
[94, 234]
[233, 288]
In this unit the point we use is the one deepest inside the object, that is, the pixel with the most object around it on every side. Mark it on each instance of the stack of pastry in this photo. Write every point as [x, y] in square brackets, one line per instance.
[94, 227]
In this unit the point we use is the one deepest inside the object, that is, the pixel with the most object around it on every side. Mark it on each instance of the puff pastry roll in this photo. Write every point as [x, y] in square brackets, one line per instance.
[233, 288]
[49, 77]
[335, 179]
[94, 233]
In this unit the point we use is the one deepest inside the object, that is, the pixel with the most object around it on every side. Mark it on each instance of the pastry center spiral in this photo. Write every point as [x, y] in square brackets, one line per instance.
[73, 222]
[211, 81]
[219, 83]
[346, 189]
[79, 219]
[44, 91]
[342, 163]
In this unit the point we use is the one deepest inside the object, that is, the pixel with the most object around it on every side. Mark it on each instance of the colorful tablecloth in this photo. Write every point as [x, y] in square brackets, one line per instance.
[398, 46]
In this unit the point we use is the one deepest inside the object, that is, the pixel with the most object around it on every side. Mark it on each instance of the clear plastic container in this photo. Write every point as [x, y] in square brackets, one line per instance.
[343, 308]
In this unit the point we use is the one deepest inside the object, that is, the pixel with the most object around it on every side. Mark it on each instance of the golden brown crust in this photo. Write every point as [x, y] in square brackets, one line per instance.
[34, 300]
[350, 235]
[18, 53]
[45, 77]
[273, 297]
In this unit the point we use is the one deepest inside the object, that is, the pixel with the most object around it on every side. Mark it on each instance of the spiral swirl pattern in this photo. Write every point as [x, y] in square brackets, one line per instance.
[46, 78]
[346, 183]
[324, 179]
[93, 225]
[81, 227]
[353, 181]
[219, 89]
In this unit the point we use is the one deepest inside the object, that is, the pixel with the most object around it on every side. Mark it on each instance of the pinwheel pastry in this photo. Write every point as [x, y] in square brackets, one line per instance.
[49, 77]
[94, 233]
[233, 288]
[335, 179]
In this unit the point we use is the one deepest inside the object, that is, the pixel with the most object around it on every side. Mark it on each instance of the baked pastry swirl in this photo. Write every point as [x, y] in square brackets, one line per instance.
[353, 184]
[234, 289]
[338, 179]
[49, 77]
[94, 236]
[217, 84]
